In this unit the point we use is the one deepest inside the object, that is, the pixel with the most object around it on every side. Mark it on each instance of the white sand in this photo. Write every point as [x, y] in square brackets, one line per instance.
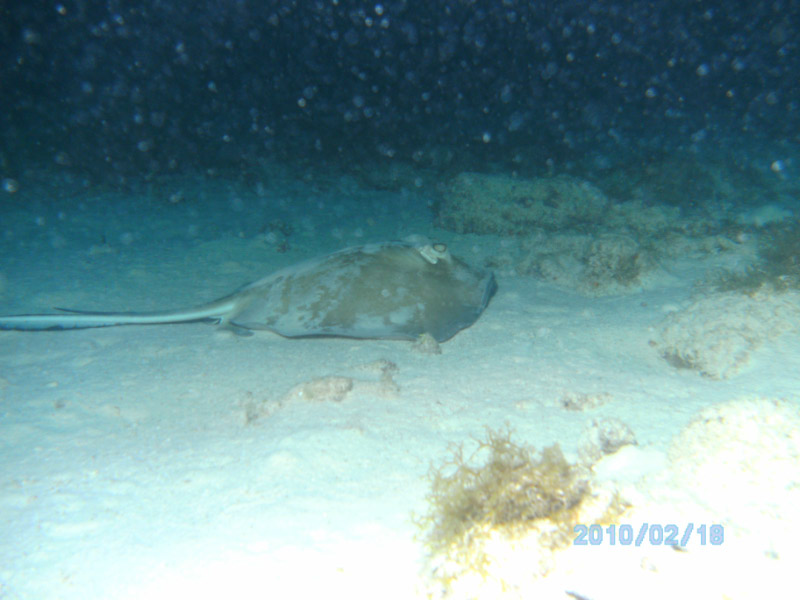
[129, 470]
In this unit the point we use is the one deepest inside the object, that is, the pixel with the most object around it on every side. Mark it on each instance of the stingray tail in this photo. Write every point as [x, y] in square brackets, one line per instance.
[79, 319]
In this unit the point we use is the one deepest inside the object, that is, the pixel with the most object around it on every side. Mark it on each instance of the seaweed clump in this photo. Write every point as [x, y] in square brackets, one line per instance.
[777, 267]
[515, 504]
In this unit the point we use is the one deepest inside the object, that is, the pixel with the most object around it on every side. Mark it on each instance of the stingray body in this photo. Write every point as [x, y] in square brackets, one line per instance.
[391, 290]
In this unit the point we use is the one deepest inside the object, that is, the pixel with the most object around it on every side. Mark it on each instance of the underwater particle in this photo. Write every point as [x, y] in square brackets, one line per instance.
[777, 166]
[30, 36]
[10, 185]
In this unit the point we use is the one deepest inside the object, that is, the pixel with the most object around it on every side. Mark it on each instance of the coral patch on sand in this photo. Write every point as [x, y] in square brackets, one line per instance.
[716, 335]
[479, 203]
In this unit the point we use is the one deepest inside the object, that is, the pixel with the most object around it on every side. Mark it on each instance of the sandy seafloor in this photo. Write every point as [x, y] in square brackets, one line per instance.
[130, 469]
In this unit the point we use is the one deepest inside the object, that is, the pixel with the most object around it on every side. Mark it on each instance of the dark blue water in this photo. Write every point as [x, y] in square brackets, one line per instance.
[117, 90]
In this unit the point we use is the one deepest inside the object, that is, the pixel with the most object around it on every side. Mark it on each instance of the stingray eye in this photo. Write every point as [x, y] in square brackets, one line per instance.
[434, 253]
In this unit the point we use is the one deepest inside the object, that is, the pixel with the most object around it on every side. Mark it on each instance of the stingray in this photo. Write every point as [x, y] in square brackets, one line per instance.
[392, 290]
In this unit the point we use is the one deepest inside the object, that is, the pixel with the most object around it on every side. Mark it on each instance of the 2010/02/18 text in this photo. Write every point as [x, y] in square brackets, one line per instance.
[655, 534]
